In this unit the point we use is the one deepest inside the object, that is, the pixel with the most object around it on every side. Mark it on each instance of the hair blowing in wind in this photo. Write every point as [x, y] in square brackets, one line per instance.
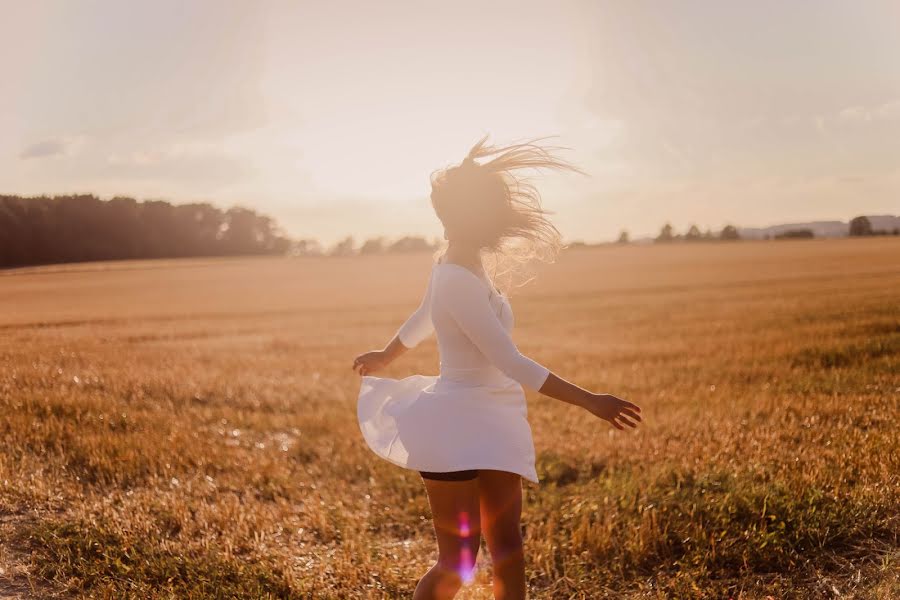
[490, 202]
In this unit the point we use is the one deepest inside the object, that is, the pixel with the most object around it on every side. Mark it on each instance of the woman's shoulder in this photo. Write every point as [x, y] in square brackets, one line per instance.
[454, 279]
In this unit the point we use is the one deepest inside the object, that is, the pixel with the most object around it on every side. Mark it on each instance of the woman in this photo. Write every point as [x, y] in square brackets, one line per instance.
[466, 430]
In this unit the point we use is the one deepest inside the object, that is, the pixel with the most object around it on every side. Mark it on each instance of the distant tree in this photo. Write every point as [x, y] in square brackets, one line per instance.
[896, 231]
[245, 232]
[708, 234]
[198, 228]
[344, 247]
[409, 244]
[861, 226]
[693, 234]
[372, 246]
[729, 232]
[623, 237]
[307, 247]
[665, 234]
[795, 234]
[236, 231]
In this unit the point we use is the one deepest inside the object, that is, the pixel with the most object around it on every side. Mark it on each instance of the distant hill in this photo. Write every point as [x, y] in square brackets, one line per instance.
[884, 222]
[828, 229]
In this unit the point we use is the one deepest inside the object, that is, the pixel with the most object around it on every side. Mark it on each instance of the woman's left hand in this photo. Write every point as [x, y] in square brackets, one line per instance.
[370, 362]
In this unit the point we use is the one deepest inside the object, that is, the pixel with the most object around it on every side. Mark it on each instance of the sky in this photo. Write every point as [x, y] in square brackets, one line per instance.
[330, 116]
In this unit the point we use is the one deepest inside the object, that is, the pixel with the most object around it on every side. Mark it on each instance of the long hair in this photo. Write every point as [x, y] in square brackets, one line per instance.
[492, 207]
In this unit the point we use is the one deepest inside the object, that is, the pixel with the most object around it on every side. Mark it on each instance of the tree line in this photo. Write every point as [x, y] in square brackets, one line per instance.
[77, 228]
[858, 226]
[667, 234]
[693, 234]
[81, 228]
[377, 245]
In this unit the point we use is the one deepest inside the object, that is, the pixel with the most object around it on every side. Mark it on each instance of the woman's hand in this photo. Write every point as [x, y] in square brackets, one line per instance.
[370, 362]
[612, 409]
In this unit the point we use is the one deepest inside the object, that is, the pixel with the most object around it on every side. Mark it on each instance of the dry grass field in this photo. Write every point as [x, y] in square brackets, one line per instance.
[187, 429]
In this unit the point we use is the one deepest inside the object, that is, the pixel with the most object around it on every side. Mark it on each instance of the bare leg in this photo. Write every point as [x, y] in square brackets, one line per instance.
[457, 526]
[501, 510]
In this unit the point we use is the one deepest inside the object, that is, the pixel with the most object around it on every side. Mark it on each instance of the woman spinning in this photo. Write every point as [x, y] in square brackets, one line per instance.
[466, 430]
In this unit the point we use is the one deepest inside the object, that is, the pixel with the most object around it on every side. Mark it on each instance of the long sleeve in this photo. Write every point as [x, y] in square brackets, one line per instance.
[466, 300]
[418, 326]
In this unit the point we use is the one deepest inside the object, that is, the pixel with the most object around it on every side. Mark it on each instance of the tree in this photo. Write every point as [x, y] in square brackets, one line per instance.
[693, 234]
[306, 247]
[372, 246]
[729, 232]
[798, 234]
[343, 247]
[665, 234]
[861, 226]
[245, 232]
[623, 237]
[409, 244]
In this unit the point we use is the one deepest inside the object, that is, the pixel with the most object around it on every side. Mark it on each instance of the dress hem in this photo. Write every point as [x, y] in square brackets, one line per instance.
[516, 466]
[529, 477]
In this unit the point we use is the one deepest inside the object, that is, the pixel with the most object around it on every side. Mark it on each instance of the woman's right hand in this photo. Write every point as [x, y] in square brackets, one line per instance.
[615, 410]
[370, 362]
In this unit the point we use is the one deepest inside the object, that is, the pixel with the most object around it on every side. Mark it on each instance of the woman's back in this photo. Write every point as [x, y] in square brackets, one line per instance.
[473, 323]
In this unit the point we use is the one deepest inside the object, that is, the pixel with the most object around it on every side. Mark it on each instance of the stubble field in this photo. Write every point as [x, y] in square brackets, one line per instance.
[187, 429]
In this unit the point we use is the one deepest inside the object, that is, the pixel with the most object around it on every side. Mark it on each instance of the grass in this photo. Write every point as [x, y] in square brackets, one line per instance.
[187, 429]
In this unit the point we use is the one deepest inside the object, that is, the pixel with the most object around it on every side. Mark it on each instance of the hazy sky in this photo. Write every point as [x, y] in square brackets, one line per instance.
[330, 116]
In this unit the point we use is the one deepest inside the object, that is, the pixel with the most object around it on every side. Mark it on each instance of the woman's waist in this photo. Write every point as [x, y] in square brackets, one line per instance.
[475, 375]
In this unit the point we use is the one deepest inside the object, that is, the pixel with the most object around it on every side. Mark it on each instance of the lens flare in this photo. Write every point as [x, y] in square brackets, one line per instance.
[466, 562]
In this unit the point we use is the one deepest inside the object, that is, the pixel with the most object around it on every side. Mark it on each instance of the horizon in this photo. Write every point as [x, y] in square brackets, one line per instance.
[431, 239]
[702, 113]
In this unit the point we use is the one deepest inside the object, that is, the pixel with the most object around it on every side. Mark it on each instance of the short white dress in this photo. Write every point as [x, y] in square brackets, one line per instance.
[471, 416]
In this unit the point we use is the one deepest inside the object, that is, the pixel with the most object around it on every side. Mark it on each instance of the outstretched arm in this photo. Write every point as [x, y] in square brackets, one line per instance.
[466, 300]
[412, 332]
[606, 406]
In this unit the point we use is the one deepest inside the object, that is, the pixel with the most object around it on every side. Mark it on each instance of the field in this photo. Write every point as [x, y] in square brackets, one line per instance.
[187, 429]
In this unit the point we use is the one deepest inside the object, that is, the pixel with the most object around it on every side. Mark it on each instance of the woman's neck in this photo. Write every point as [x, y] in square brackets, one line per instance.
[465, 256]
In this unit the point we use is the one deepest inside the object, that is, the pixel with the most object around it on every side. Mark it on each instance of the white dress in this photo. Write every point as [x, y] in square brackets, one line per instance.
[471, 416]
